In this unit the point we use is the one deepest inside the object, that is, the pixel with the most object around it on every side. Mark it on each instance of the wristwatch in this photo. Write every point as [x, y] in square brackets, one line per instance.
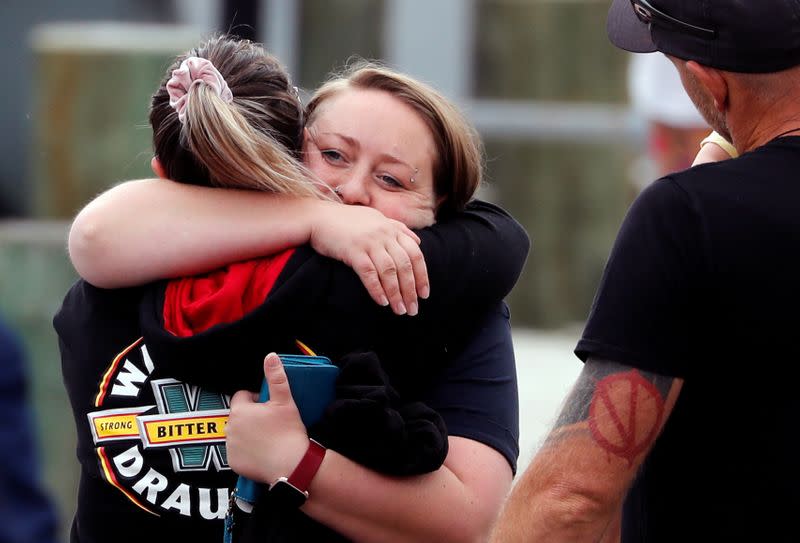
[292, 491]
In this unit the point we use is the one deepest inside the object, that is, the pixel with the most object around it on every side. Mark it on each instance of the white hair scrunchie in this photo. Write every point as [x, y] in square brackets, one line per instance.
[192, 71]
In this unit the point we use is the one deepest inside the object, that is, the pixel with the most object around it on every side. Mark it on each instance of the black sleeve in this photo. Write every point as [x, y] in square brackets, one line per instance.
[643, 314]
[473, 258]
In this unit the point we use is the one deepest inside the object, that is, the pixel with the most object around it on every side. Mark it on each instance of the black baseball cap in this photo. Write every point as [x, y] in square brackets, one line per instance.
[752, 36]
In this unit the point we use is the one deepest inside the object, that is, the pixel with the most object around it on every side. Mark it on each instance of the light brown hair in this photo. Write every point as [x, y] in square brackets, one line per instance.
[458, 165]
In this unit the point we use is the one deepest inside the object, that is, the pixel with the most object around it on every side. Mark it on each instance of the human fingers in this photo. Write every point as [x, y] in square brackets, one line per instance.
[243, 397]
[418, 266]
[236, 425]
[277, 381]
[387, 273]
[405, 275]
[366, 271]
[243, 435]
[409, 232]
[710, 152]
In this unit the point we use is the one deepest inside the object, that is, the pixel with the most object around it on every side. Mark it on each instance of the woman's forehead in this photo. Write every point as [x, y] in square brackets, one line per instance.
[375, 120]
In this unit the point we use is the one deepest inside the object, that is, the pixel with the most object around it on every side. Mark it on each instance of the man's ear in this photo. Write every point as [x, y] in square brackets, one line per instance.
[713, 81]
[157, 168]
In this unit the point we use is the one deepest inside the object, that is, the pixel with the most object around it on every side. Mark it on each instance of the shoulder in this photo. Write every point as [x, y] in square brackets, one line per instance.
[87, 308]
[668, 211]
[666, 193]
[482, 207]
[498, 218]
[83, 296]
[725, 176]
[84, 292]
[646, 303]
[484, 215]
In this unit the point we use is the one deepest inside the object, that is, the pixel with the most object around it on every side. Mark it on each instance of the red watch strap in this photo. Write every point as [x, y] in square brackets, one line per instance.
[304, 472]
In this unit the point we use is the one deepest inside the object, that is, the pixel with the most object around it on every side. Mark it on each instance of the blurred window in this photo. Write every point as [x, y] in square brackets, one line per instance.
[546, 50]
[333, 31]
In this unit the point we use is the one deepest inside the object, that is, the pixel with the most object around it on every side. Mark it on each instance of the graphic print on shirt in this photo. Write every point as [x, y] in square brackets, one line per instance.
[159, 441]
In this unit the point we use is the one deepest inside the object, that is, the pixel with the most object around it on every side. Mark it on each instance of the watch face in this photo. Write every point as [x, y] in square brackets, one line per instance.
[284, 494]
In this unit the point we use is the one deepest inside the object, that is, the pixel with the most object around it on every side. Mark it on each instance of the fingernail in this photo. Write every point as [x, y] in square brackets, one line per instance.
[425, 292]
[273, 361]
[400, 309]
[384, 301]
[413, 309]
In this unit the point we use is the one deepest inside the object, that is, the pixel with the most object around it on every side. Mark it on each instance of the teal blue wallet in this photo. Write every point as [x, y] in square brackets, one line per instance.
[312, 380]
[313, 383]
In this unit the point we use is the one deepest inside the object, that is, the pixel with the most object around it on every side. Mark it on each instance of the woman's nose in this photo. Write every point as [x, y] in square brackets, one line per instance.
[354, 191]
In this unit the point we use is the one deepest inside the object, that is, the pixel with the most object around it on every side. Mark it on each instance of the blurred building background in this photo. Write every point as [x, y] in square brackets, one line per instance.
[538, 77]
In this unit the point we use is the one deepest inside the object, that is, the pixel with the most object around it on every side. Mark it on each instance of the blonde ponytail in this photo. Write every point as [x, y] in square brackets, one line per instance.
[237, 155]
[226, 115]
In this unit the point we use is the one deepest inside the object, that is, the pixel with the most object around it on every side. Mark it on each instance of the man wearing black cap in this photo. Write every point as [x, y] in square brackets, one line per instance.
[685, 414]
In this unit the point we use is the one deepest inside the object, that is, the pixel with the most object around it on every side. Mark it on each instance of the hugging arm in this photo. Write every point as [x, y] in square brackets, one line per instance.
[574, 487]
[151, 229]
[145, 230]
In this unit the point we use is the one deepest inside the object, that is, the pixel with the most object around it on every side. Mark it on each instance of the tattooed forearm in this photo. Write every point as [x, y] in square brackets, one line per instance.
[622, 408]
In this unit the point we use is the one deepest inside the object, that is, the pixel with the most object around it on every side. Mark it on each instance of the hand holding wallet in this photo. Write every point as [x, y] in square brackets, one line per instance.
[312, 380]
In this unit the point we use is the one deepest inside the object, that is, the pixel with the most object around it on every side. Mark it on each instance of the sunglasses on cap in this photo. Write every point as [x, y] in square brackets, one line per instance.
[650, 15]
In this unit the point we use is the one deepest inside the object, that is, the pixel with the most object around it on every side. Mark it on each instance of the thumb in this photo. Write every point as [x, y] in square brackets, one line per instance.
[277, 382]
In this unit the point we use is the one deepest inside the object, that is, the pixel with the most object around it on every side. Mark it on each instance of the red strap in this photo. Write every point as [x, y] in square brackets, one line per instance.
[304, 472]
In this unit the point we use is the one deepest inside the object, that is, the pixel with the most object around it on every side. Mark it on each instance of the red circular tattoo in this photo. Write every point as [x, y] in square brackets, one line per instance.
[625, 414]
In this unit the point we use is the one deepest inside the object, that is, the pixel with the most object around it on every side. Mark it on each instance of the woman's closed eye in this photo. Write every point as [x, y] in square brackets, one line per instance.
[389, 180]
[332, 155]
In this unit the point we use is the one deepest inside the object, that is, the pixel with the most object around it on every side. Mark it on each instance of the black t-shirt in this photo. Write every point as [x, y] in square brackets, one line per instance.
[703, 284]
[137, 483]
